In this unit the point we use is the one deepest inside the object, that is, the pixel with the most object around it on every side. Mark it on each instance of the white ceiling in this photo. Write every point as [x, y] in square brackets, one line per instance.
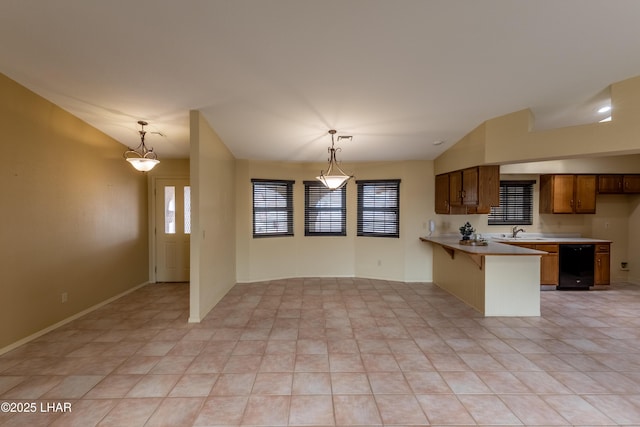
[273, 76]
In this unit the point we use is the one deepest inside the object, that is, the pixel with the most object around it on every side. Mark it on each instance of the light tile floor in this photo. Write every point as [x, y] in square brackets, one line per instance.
[324, 352]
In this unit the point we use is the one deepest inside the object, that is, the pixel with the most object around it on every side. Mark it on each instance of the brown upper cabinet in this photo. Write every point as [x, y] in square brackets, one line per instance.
[456, 194]
[442, 194]
[463, 187]
[468, 191]
[568, 194]
[618, 184]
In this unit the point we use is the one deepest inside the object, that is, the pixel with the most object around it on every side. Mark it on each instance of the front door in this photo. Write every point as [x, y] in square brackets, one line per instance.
[173, 229]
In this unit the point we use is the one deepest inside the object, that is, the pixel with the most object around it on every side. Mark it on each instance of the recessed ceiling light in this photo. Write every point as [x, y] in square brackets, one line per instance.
[438, 142]
[606, 119]
[604, 109]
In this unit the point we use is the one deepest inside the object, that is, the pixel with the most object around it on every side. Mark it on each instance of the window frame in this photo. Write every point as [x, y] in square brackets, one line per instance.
[316, 186]
[287, 185]
[523, 207]
[361, 223]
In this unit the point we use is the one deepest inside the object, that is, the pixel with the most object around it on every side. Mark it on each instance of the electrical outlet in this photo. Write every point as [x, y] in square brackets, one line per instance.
[64, 297]
[379, 263]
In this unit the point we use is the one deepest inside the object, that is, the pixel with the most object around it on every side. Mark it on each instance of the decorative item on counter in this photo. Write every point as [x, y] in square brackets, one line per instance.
[467, 230]
[470, 237]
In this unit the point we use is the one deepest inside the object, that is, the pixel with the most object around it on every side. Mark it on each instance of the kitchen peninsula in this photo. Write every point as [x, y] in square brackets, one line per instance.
[496, 279]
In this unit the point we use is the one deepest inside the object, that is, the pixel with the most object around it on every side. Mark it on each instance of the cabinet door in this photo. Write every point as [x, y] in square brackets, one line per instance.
[585, 194]
[455, 188]
[489, 186]
[470, 186]
[609, 184]
[549, 272]
[562, 194]
[549, 266]
[442, 194]
[602, 269]
[631, 183]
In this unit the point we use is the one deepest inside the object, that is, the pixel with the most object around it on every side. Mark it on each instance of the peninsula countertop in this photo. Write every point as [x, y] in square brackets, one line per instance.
[492, 247]
[497, 279]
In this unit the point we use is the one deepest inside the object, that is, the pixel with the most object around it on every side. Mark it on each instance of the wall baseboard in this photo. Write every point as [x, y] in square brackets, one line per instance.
[245, 282]
[48, 329]
[270, 279]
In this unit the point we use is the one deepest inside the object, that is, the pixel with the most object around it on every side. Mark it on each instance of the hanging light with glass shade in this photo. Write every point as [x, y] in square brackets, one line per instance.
[334, 177]
[142, 158]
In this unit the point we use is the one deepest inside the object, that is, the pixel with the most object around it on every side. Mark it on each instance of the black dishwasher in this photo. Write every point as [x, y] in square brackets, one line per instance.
[576, 267]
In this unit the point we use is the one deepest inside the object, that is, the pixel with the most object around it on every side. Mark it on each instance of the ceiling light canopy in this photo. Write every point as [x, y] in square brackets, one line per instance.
[335, 177]
[142, 158]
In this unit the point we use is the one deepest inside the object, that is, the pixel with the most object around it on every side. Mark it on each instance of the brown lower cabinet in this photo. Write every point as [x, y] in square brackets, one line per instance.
[603, 264]
[549, 265]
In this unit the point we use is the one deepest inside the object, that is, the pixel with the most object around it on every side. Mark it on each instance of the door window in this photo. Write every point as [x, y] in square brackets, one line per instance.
[170, 210]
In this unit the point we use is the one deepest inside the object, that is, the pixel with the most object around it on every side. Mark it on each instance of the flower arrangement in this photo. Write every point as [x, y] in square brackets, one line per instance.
[466, 230]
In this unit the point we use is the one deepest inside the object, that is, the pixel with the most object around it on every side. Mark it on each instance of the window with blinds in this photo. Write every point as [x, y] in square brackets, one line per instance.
[516, 204]
[379, 208]
[272, 208]
[325, 211]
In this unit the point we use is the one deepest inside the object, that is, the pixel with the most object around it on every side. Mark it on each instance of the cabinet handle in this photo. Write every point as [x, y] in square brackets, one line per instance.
[579, 203]
[571, 202]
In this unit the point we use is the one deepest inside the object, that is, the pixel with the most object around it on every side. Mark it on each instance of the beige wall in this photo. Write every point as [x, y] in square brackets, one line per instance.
[74, 216]
[634, 240]
[170, 168]
[403, 259]
[213, 254]
[510, 138]
[468, 152]
[629, 163]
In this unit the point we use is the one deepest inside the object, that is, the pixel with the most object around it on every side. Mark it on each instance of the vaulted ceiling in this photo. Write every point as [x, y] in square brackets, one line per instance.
[273, 76]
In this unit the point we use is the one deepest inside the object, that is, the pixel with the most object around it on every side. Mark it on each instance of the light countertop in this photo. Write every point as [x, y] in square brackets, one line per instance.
[492, 248]
[549, 239]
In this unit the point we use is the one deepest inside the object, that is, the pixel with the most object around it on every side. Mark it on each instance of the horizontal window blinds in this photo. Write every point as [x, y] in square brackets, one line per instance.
[325, 212]
[272, 208]
[378, 208]
[516, 204]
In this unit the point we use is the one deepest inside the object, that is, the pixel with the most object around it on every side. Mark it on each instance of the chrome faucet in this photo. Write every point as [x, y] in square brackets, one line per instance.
[515, 231]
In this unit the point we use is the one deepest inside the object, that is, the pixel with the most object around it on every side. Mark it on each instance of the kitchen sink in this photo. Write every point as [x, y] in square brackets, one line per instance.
[521, 239]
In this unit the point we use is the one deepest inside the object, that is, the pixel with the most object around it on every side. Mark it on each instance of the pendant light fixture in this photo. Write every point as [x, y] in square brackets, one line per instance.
[142, 158]
[335, 177]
